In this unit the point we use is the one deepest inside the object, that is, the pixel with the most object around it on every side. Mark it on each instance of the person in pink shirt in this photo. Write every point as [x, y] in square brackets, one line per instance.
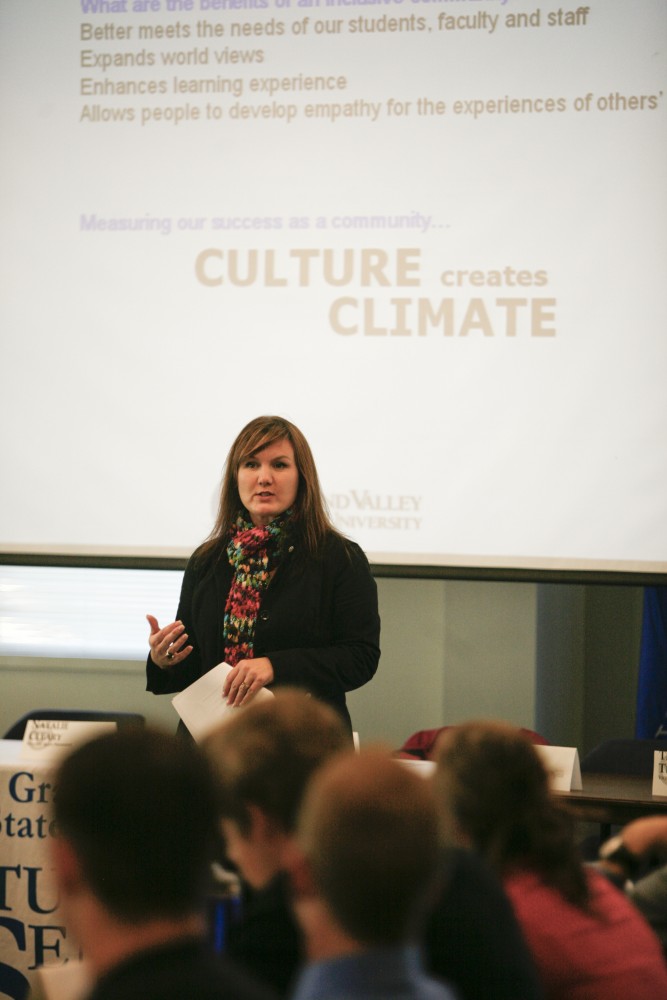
[589, 942]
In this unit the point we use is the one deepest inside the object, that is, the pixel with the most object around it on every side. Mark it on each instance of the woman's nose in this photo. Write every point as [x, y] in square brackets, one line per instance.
[265, 475]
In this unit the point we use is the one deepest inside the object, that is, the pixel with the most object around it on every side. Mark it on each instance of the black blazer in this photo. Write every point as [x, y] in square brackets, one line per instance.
[318, 622]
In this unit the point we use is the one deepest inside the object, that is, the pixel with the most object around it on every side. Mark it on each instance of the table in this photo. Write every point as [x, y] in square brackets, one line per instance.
[614, 799]
[32, 932]
[607, 799]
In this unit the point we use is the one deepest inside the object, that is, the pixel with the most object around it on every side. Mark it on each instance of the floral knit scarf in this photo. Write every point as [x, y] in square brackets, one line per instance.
[254, 552]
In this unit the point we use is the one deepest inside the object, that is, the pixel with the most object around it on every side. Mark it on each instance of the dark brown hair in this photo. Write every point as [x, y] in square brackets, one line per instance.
[139, 808]
[491, 781]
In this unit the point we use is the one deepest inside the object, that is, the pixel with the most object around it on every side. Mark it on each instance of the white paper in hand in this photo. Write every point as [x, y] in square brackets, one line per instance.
[202, 706]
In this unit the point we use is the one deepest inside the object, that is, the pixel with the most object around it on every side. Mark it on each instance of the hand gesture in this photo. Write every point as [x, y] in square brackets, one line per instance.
[167, 644]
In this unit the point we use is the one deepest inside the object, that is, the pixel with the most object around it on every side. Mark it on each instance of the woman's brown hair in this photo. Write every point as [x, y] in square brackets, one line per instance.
[310, 508]
[491, 782]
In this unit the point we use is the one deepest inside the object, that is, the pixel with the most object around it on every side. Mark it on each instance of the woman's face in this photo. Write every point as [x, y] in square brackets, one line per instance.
[268, 482]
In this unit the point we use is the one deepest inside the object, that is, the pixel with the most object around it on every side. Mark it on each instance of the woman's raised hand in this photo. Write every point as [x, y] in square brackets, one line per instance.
[167, 644]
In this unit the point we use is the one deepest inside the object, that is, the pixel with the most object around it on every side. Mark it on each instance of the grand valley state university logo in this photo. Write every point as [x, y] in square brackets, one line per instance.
[357, 509]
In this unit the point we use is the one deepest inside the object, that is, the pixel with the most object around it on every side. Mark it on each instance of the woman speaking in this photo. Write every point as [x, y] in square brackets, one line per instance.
[275, 591]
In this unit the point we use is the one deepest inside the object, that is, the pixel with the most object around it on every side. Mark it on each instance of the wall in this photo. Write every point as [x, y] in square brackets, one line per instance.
[586, 664]
[560, 659]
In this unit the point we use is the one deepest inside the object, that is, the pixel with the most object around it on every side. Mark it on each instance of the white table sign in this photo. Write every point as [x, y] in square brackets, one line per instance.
[563, 766]
[47, 740]
[425, 768]
[33, 931]
[660, 773]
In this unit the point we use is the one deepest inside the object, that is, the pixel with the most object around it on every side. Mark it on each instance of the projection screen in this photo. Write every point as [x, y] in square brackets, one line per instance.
[432, 234]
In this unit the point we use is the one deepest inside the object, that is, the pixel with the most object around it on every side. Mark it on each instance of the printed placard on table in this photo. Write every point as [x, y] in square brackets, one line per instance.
[563, 766]
[660, 773]
[47, 740]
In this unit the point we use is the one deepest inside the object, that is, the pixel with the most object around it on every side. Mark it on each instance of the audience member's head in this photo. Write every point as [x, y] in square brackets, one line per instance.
[264, 757]
[492, 790]
[367, 848]
[136, 814]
